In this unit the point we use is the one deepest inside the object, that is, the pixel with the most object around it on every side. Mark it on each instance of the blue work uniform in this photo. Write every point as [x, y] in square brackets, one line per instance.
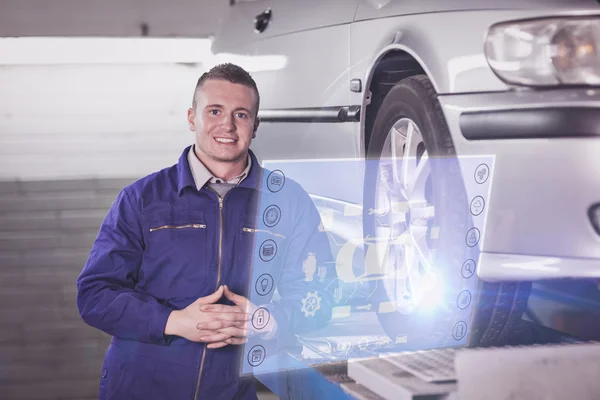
[164, 244]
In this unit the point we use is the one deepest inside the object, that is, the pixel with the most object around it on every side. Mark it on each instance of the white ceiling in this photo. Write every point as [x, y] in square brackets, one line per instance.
[184, 18]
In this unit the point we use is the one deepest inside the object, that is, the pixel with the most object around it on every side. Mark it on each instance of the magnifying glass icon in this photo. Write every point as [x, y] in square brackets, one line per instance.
[468, 268]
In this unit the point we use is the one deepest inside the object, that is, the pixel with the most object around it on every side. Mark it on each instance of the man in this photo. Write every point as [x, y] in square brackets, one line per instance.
[171, 271]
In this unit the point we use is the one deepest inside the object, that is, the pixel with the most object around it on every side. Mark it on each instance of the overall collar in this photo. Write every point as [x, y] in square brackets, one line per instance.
[185, 177]
[202, 175]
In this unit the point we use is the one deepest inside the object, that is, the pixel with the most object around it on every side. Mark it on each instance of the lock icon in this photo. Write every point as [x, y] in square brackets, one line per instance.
[260, 318]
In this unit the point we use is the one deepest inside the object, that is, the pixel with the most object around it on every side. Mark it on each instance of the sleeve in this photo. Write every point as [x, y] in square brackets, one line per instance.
[308, 270]
[106, 295]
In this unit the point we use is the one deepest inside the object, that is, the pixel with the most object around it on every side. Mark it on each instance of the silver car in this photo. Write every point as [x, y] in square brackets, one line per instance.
[409, 89]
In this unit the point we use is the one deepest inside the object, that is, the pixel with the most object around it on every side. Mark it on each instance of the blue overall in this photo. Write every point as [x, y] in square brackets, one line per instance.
[164, 244]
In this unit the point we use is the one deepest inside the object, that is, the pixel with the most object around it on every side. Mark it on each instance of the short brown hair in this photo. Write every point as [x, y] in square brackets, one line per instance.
[228, 72]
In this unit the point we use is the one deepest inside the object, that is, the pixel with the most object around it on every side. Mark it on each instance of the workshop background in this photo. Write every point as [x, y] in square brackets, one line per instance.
[80, 119]
[93, 95]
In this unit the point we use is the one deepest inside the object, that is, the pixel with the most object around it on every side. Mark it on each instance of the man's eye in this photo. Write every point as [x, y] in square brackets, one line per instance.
[214, 112]
[242, 115]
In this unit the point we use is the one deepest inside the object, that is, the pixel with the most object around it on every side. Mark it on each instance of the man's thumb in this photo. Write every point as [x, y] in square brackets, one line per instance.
[211, 298]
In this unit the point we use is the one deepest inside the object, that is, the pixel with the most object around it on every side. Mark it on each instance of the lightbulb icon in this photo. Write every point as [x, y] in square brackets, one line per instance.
[264, 284]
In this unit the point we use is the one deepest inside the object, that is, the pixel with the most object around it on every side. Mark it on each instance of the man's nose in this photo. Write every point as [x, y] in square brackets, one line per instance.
[229, 122]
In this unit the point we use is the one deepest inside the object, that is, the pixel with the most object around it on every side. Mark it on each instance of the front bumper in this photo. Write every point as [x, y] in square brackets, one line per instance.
[547, 176]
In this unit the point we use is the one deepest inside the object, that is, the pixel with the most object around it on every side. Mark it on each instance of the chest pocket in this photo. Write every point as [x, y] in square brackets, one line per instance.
[175, 261]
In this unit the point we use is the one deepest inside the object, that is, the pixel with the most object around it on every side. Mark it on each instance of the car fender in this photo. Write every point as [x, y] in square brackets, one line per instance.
[452, 54]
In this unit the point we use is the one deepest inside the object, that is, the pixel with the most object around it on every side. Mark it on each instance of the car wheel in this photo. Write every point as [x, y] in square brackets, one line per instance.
[416, 215]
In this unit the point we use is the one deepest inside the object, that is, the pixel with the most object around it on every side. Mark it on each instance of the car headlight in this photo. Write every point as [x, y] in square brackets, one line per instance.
[546, 52]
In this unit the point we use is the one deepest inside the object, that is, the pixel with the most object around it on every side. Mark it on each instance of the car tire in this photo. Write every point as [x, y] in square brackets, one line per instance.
[496, 308]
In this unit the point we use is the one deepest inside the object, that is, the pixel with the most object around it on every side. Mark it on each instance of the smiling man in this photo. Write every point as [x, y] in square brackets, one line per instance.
[170, 273]
[224, 118]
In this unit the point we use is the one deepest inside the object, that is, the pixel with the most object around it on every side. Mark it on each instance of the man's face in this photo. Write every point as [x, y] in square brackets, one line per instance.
[224, 120]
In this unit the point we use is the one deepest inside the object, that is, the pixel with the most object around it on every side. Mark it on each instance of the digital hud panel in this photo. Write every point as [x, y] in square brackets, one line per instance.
[380, 257]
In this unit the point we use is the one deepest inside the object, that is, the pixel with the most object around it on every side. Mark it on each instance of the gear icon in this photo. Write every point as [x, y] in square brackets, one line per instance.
[310, 304]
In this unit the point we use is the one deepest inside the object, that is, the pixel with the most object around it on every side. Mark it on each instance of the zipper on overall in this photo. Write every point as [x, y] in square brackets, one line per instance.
[217, 285]
[251, 230]
[195, 226]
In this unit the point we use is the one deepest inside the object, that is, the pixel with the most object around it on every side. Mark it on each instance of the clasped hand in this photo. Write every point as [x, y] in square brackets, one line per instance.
[215, 324]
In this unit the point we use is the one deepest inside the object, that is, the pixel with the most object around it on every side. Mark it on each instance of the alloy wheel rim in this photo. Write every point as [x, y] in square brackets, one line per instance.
[404, 217]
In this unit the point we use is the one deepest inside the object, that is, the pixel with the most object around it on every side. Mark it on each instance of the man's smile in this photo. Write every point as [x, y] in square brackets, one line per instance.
[225, 140]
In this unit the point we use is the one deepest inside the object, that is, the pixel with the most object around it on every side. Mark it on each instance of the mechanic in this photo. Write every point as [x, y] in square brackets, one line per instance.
[170, 272]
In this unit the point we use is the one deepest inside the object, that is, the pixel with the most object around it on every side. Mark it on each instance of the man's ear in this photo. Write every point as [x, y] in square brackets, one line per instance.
[256, 124]
[191, 117]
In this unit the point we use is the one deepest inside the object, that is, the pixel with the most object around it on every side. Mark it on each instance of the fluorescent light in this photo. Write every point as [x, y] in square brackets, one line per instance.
[49, 51]
[69, 51]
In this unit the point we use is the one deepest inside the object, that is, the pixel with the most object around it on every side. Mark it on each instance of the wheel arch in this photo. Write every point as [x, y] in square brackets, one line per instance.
[393, 64]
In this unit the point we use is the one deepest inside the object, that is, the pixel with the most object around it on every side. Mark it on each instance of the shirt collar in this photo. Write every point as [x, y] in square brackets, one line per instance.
[202, 175]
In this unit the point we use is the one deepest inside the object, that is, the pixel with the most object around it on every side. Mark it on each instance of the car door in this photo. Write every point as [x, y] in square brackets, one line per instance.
[298, 54]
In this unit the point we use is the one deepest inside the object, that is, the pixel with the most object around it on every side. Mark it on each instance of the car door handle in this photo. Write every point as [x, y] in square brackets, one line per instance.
[262, 21]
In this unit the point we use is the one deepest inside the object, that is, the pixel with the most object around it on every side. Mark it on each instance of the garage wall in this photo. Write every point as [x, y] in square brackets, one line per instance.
[46, 230]
[92, 121]
[71, 136]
